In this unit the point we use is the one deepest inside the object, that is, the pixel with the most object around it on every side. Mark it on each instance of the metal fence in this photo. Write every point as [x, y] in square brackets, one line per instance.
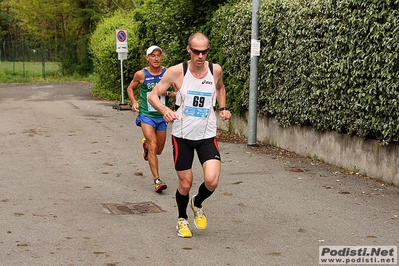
[43, 58]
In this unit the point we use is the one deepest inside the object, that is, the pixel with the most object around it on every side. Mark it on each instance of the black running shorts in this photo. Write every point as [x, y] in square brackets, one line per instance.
[183, 151]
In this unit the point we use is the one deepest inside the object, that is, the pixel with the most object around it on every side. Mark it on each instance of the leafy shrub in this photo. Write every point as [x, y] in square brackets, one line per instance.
[166, 23]
[330, 64]
[174, 22]
[230, 47]
[107, 66]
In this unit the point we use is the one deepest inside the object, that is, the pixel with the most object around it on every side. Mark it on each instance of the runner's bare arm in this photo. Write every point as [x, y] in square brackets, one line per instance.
[138, 79]
[168, 80]
[221, 93]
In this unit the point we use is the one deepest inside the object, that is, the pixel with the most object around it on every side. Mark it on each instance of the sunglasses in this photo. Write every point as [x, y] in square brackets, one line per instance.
[197, 52]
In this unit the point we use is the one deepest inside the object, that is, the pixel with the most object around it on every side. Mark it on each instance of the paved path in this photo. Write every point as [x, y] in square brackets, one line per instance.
[63, 155]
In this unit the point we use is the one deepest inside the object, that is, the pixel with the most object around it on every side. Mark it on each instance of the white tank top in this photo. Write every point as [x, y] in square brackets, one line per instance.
[197, 97]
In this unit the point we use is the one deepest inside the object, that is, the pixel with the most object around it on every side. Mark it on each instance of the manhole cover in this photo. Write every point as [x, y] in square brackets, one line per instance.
[133, 208]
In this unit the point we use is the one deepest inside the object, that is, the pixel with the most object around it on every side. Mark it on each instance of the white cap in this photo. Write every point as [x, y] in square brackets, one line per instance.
[152, 48]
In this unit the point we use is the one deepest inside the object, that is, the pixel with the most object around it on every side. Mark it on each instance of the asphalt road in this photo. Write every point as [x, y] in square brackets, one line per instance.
[65, 157]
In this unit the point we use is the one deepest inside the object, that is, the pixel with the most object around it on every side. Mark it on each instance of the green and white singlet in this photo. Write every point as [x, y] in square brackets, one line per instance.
[145, 89]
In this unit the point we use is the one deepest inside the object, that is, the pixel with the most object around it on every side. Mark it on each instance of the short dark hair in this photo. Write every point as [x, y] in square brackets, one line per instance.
[197, 35]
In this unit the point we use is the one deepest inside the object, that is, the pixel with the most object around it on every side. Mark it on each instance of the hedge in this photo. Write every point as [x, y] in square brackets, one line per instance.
[105, 58]
[166, 23]
[329, 64]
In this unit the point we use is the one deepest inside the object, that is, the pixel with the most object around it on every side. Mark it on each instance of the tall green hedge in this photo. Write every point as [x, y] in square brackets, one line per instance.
[230, 39]
[166, 23]
[105, 58]
[330, 64]
[169, 23]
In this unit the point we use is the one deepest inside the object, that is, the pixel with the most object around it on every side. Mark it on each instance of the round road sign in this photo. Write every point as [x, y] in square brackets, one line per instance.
[121, 35]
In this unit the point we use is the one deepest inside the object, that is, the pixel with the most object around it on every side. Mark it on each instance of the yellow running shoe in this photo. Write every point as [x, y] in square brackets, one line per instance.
[199, 215]
[182, 228]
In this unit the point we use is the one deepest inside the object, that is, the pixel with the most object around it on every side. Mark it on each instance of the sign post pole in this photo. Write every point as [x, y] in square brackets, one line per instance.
[253, 80]
[121, 49]
[123, 96]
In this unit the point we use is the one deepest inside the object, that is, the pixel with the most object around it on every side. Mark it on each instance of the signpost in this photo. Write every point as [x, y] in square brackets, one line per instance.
[253, 79]
[121, 49]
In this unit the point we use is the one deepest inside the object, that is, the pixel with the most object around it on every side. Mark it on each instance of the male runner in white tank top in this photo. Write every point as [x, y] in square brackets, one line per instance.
[198, 86]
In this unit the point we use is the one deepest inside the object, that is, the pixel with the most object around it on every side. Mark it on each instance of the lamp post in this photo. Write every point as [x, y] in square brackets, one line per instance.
[253, 86]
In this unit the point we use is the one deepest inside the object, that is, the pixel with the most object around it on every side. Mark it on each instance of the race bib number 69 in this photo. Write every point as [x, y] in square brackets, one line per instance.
[198, 103]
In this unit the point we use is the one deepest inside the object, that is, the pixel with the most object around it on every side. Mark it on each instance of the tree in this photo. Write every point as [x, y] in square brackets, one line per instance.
[7, 19]
[169, 23]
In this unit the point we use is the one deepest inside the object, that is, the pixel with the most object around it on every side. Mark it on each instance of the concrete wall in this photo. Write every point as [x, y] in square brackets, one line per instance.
[350, 152]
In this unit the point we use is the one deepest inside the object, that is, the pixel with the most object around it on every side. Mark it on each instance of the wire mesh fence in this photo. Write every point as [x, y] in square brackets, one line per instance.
[44, 58]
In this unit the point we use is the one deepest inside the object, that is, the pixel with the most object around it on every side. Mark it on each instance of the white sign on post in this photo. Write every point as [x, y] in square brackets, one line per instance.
[122, 56]
[255, 47]
[121, 49]
[121, 41]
